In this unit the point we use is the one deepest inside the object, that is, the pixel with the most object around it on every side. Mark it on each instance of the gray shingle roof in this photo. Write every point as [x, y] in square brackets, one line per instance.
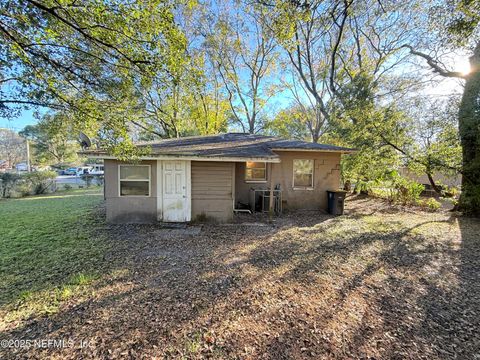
[235, 145]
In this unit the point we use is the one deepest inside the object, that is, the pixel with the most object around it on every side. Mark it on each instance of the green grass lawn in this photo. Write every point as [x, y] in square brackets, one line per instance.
[48, 250]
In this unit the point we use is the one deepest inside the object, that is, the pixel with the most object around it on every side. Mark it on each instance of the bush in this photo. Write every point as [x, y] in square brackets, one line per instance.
[7, 183]
[363, 187]
[407, 191]
[67, 187]
[23, 188]
[450, 192]
[88, 179]
[99, 180]
[431, 204]
[41, 181]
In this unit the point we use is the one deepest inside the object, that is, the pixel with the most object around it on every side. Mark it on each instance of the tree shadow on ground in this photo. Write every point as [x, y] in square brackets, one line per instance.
[309, 287]
[418, 297]
[352, 265]
[452, 313]
[167, 284]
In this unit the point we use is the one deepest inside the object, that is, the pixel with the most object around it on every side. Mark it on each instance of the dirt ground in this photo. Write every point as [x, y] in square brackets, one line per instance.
[377, 283]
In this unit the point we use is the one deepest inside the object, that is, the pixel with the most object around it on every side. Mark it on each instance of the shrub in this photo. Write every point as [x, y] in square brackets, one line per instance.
[7, 183]
[407, 191]
[99, 180]
[88, 179]
[67, 187]
[432, 204]
[23, 188]
[450, 192]
[363, 187]
[41, 181]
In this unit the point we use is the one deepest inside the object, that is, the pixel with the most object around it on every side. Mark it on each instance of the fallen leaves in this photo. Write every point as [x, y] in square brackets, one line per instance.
[311, 286]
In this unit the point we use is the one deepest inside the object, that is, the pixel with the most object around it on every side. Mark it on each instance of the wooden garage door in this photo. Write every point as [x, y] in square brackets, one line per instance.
[212, 180]
[212, 190]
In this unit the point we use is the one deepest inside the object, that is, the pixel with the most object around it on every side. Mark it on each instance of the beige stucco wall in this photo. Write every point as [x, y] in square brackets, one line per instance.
[326, 177]
[212, 190]
[439, 178]
[216, 185]
[129, 209]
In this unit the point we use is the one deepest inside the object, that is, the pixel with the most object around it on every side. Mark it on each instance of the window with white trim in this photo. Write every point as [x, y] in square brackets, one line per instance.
[134, 180]
[303, 174]
[255, 171]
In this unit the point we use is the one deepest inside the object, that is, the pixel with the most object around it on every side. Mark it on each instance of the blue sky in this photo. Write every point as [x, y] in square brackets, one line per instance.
[17, 124]
[445, 87]
[281, 99]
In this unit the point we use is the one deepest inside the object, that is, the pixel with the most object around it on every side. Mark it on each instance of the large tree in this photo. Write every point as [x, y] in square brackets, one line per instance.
[12, 147]
[435, 149]
[53, 139]
[463, 19]
[85, 57]
[332, 44]
[243, 50]
[290, 123]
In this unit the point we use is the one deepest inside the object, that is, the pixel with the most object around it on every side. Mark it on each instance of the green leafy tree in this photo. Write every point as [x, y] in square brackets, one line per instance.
[437, 148]
[243, 51]
[209, 114]
[208, 107]
[12, 147]
[330, 44]
[291, 123]
[462, 31]
[53, 139]
[164, 100]
[376, 131]
[375, 158]
[87, 58]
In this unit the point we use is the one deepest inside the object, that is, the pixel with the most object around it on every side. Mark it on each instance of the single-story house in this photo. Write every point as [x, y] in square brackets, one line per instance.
[4, 165]
[23, 166]
[208, 177]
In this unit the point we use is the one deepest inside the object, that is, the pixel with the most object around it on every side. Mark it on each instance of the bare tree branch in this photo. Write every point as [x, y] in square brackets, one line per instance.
[434, 64]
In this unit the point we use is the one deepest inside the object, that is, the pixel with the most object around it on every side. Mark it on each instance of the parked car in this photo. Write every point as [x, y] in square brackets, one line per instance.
[82, 170]
[97, 169]
[69, 171]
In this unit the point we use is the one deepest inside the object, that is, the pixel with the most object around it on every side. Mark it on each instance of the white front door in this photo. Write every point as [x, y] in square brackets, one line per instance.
[176, 191]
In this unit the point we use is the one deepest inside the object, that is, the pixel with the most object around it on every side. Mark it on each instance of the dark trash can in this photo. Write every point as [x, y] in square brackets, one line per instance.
[336, 201]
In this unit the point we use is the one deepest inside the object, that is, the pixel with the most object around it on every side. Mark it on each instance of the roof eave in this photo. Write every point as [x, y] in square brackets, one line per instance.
[343, 151]
[275, 159]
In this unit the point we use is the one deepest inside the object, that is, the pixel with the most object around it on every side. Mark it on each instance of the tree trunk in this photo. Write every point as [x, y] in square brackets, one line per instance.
[469, 128]
[347, 186]
[251, 124]
[435, 187]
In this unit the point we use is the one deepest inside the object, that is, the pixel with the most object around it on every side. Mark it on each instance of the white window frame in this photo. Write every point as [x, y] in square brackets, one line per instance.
[313, 176]
[149, 181]
[264, 180]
